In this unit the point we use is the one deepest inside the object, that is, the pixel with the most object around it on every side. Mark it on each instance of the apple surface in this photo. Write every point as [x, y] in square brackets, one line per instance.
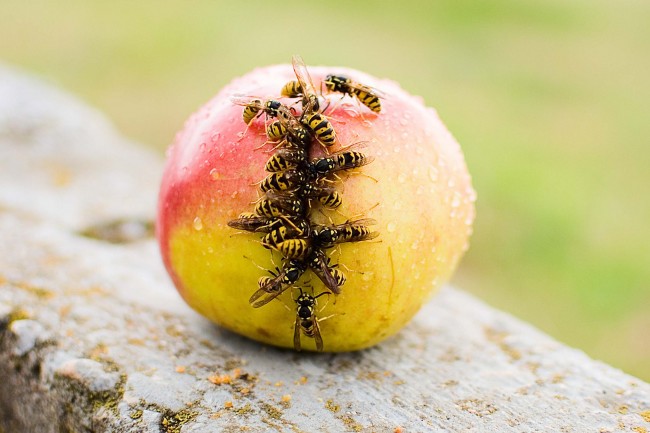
[417, 188]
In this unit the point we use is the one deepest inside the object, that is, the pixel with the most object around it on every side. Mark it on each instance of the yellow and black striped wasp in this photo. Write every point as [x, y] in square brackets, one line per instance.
[293, 134]
[254, 107]
[286, 158]
[342, 160]
[306, 320]
[251, 222]
[327, 196]
[286, 124]
[275, 204]
[302, 86]
[284, 180]
[350, 231]
[331, 276]
[310, 117]
[270, 288]
[367, 95]
[321, 127]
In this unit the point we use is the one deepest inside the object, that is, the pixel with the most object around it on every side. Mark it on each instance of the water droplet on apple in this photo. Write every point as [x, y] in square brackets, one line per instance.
[197, 223]
[433, 173]
[391, 227]
[214, 173]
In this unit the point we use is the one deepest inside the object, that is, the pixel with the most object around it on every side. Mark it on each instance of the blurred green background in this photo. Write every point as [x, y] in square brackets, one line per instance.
[550, 100]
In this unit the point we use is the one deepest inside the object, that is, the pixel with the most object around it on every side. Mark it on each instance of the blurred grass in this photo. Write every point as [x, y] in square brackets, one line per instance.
[549, 99]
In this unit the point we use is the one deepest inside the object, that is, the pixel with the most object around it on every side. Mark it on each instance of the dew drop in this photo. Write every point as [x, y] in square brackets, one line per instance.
[472, 194]
[215, 174]
[451, 183]
[455, 202]
[197, 223]
[397, 149]
[401, 178]
[367, 276]
[405, 135]
[433, 173]
[403, 122]
[391, 227]
[415, 245]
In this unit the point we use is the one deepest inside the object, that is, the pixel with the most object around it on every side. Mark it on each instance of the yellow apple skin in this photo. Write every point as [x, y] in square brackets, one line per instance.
[417, 188]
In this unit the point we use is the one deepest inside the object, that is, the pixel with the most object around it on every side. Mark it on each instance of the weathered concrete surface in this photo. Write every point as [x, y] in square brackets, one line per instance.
[93, 337]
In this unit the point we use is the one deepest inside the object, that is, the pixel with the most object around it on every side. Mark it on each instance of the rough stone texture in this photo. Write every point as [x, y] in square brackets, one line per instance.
[93, 337]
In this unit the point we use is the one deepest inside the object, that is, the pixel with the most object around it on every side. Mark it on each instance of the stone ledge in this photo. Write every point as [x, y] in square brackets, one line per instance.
[93, 337]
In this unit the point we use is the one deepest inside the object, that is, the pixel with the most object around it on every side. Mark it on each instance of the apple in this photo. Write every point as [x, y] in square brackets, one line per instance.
[417, 188]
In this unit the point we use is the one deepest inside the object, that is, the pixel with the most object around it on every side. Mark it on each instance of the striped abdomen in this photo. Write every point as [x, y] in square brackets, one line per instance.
[322, 128]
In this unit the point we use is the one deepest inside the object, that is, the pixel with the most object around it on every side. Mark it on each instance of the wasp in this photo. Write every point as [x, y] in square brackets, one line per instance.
[327, 196]
[295, 134]
[286, 124]
[332, 277]
[270, 288]
[276, 130]
[275, 205]
[254, 107]
[367, 95]
[321, 127]
[344, 160]
[306, 321]
[285, 231]
[293, 248]
[350, 231]
[286, 158]
[284, 180]
[281, 234]
[251, 222]
[302, 86]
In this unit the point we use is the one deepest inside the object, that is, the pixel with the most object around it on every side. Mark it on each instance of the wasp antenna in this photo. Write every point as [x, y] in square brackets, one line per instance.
[360, 173]
[359, 215]
[256, 265]
[288, 221]
[329, 317]
[348, 269]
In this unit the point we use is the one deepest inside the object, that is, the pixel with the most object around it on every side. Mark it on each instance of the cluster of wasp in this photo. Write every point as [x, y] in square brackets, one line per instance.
[296, 185]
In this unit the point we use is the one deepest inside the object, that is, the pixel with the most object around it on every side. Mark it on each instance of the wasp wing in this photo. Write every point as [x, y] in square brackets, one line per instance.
[296, 334]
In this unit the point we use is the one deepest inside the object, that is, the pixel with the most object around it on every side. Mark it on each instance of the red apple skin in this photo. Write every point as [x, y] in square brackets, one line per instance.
[417, 188]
